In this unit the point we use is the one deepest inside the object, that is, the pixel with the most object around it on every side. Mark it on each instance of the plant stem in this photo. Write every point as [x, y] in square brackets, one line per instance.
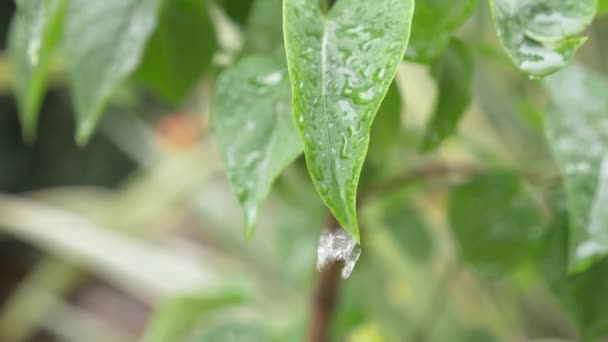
[325, 296]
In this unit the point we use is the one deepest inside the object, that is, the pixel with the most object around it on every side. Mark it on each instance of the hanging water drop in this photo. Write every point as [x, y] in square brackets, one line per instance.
[336, 245]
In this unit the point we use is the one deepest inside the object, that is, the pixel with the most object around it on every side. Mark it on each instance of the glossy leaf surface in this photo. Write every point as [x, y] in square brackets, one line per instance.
[453, 72]
[539, 35]
[497, 224]
[341, 65]
[180, 49]
[434, 22]
[253, 124]
[103, 44]
[34, 35]
[577, 128]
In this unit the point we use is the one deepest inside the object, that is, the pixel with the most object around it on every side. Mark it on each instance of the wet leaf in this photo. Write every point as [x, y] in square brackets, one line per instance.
[264, 28]
[34, 35]
[434, 22]
[577, 128]
[103, 44]
[341, 66]
[496, 223]
[253, 124]
[180, 49]
[453, 72]
[539, 35]
[387, 124]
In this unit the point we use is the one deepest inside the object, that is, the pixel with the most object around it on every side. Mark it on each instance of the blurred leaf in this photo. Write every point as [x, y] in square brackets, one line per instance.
[237, 10]
[407, 227]
[254, 127]
[577, 129]
[496, 223]
[264, 29]
[103, 44]
[603, 7]
[236, 332]
[538, 35]
[341, 66]
[434, 21]
[385, 130]
[176, 319]
[453, 72]
[579, 293]
[35, 32]
[180, 49]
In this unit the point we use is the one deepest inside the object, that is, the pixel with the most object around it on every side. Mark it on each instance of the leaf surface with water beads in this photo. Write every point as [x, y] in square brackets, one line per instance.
[253, 124]
[341, 65]
[577, 128]
[539, 35]
[103, 44]
[34, 35]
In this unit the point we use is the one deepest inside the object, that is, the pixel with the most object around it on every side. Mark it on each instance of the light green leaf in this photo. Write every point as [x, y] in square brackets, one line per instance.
[34, 35]
[434, 22]
[180, 49]
[254, 128]
[103, 44]
[495, 221]
[538, 35]
[235, 332]
[264, 28]
[341, 65]
[577, 129]
[385, 130]
[453, 72]
[176, 319]
[602, 7]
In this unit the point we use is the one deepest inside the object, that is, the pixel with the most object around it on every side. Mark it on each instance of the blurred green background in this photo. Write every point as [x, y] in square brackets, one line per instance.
[138, 236]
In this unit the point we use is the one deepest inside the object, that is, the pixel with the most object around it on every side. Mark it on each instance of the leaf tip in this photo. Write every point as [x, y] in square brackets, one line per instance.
[251, 215]
[84, 132]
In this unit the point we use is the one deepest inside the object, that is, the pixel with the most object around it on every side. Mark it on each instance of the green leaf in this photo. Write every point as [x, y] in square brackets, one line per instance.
[341, 66]
[577, 129]
[434, 21]
[453, 72]
[254, 128]
[180, 49]
[602, 7]
[103, 44]
[176, 319]
[34, 35]
[538, 35]
[237, 10]
[497, 224]
[578, 292]
[264, 28]
[385, 130]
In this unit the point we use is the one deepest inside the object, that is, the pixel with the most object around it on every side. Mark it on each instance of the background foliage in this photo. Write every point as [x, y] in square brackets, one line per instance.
[463, 143]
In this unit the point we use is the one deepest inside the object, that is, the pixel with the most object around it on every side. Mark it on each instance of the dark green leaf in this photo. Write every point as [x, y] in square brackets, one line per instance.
[538, 35]
[176, 319]
[385, 130]
[434, 21]
[453, 72]
[103, 44]
[577, 129]
[579, 293]
[180, 49]
[254, 127]
[237, 10]
[34, 35]
[264, 29]
[496, 223]
[341, 66]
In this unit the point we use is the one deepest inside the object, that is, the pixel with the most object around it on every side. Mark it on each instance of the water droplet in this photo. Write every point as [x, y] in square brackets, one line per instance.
[323, 189]
[270, 79]
[337, 245]
[344, 150]
[364, 97]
